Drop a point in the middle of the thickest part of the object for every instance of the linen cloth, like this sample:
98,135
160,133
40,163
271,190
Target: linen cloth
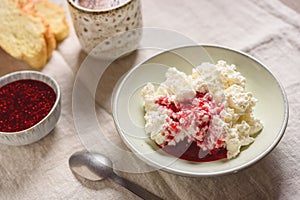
267,30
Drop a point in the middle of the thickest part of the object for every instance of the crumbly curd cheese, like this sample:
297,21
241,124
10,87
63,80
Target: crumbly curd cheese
210,107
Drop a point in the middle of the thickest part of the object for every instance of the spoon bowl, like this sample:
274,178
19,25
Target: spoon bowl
94,166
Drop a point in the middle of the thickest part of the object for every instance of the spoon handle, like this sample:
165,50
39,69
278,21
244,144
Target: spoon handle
135,188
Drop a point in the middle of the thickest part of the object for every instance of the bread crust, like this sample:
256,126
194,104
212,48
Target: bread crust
61,30
27,35
15,39
29,7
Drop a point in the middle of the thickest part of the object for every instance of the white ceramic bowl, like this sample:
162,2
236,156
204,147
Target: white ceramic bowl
272,109
43,127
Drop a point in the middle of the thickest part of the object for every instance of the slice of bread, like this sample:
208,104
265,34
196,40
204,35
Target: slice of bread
56,17
29,7
23,35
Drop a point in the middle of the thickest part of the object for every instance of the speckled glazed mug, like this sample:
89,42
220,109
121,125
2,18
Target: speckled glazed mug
108,32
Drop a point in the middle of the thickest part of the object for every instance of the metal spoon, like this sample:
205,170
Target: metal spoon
95,166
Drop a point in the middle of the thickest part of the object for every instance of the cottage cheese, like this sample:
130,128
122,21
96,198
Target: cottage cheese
209,107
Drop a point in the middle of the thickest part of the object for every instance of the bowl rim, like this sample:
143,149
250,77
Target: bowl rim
205,174
35,74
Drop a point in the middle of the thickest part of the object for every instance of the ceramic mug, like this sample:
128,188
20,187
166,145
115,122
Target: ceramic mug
107,32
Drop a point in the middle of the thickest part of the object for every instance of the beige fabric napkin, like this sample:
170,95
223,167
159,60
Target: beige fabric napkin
268,30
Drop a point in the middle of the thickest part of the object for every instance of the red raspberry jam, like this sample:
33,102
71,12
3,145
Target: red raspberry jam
24,103
197,114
